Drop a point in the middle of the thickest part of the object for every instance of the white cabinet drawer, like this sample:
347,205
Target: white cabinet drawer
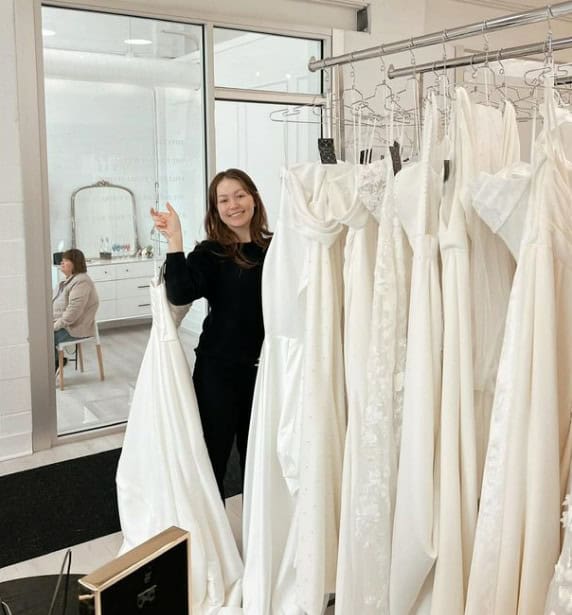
133,306
102,272
134,270
133,287
107,310
105,290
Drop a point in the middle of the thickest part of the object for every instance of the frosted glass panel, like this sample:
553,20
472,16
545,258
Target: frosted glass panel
263,138
265,62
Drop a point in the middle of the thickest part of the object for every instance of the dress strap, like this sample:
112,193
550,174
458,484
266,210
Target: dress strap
428,143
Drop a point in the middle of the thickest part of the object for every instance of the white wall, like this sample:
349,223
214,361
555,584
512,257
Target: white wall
247,138
98,131
15,398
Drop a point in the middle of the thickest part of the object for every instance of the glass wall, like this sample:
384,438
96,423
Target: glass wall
125,132
125,123
256,61
262,138
268,125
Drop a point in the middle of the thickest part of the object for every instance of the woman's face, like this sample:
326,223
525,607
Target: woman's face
234,204
66,267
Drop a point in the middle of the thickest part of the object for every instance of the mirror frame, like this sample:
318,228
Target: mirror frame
102,183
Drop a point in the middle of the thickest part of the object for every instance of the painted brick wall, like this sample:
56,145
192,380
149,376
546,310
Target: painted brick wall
15,397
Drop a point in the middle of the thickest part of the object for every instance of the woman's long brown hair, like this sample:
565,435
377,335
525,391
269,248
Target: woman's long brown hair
218,231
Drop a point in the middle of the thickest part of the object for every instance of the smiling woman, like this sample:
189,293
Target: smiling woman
226,269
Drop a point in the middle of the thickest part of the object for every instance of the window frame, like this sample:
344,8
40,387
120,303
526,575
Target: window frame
31,110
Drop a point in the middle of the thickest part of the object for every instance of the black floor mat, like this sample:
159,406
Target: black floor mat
64,504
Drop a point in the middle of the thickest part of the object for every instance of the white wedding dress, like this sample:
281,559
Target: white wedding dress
165,477
359,264
374,419
491,264
528,458
456,458
296,442
418,195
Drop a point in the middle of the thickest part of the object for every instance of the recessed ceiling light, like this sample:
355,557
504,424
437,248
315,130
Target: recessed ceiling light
258,73
47,32
288,76
138,41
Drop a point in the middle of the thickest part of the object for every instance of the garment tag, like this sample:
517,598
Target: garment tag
365,156
327,151
395,157
446,170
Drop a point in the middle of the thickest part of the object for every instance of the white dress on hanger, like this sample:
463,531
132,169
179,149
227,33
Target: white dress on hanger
518,533
456,459
417,197
492,265
374,419
359,263
165,477
298,425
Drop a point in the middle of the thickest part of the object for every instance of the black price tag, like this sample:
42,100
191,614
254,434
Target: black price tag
446,170
394,150
327,151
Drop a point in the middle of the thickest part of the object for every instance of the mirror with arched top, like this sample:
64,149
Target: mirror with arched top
104,220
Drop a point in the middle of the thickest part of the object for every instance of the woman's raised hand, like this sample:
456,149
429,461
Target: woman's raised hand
169,225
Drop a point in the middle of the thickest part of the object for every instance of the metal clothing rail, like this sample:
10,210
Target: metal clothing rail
481,57
454,34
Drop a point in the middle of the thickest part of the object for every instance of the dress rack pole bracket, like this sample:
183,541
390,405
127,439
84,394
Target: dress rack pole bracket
553,11
480,58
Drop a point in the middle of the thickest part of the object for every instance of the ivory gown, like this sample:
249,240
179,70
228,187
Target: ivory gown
375,407
296,443
165,476
457,456
418,195
491,264
518,532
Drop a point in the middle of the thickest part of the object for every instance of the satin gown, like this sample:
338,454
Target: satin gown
296,442
165,477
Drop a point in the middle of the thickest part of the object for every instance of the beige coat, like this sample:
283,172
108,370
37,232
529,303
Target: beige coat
75,306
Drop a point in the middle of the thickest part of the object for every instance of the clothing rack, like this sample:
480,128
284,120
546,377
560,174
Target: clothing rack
486,26
482,57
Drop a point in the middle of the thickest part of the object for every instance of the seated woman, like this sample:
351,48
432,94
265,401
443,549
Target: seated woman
75,302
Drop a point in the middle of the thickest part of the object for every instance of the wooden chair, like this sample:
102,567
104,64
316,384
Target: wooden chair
79,355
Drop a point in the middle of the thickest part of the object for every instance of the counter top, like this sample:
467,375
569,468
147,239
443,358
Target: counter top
118,260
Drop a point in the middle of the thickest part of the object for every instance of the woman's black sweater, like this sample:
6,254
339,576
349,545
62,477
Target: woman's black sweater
233,329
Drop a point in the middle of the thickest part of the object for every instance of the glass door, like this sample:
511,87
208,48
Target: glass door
125,132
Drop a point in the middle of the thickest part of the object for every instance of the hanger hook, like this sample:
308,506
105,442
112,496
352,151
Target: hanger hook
486,45
474,69
382,60
411,52
352,71
499,61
